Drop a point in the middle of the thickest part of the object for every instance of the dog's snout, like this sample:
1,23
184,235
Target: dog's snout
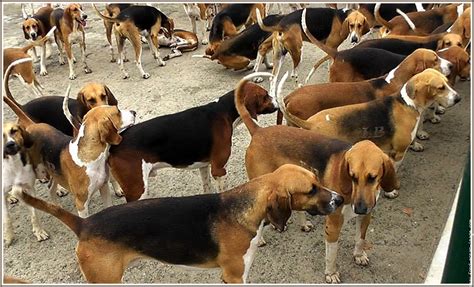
354,39
457,98
10,144
84,16
338,200
360,207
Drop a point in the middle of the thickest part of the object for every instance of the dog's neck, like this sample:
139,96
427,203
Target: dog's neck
87,149
409,101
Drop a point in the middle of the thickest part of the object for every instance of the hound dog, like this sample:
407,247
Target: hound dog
204,14
70,23
418,23
77,164
461,63
207,231
462,27
309,100
135,21
362,63
336,162
112,10
24,71
203,138
390,122
237,52
180,41
332,26
19,172
388,11
36,27
228,22
49,109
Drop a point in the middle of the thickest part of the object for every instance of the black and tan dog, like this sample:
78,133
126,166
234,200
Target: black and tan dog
207,231
228,22
390,122
70,23
237,52
202,139
35,27
329,25
112,10
134,22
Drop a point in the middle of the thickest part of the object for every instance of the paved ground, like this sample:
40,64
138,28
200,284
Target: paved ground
402,245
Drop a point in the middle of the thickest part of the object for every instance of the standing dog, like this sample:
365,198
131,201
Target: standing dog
137,21
112,10
202,13
35,27
70,24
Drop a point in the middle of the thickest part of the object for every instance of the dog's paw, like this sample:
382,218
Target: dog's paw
125,76
204,42
113,60
269,66
257,79
12,199
62,62
417,147
422,135
87,70
307,226
261,242
333,278
162,63
435,119
440,110
391,194
145,76
119,192
72,76
43,72
8,238
74,60
361,259
61,192
40,234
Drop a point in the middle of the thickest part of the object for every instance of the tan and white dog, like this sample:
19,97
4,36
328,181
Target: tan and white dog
202,13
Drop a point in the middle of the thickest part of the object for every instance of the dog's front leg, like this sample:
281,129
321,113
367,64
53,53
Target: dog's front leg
334,224
105,194
155,47
87,70
303,222
7,224
67,46
362,223
43,71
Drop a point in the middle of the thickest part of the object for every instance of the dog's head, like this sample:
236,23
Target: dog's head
31,29
94,95
15,139
355,26
168,27
449,40
369,169
258,101
296,188
460,59
431,86
107,122
422,59
76,12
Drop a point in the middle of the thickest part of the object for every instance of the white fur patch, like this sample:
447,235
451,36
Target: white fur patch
391,75
409,101
444,65
250,254
331,254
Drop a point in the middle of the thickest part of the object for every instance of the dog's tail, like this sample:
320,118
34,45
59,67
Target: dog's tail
39,42
262,25
316,66
72,120
328,50
379,18
105,18
8,98
72,221
288,116
239,98
407,19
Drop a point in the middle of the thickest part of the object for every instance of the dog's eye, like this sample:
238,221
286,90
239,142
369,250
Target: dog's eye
351,25
459,44
313,190
75,9
359,25
102,96
371,178
442,88
92,101
13,131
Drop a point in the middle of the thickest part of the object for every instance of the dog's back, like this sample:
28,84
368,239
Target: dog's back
137,13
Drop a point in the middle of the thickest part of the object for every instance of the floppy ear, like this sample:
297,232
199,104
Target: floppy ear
81,99
108,132
440,44
365,27
27,140
389,180
40,28
111,100
27,36
344,29
420,66
278,210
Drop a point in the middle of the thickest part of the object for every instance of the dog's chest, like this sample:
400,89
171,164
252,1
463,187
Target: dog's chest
16,173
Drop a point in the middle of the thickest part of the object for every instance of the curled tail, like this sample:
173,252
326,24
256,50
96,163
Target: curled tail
328,50
72,120
72,221
239,98
407,19
39,42
288,116
379,18
105,18
8,98
316,66
261,24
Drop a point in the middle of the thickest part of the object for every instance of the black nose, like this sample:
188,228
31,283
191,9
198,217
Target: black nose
360,207
133,113
84,17
10,145
457,99
339,200
354,39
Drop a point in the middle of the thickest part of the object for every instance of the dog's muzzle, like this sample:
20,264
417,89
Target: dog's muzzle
11,148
